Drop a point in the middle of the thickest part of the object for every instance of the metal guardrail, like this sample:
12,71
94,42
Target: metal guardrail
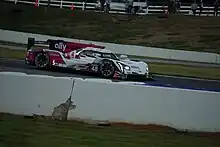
152,9
57,3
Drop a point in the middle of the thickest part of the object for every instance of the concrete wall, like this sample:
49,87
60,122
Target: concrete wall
105,100
22,94
19,37
218,59
194,56
179,108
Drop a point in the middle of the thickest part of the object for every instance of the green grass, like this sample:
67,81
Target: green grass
184,70
12,54
18,131
160,68
176,32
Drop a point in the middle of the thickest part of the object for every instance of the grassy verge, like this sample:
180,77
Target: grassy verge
18,131
12,54
177,31
160,68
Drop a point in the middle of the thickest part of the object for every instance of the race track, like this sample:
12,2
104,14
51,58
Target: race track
163,81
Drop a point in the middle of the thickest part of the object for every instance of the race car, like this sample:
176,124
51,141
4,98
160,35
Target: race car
83,57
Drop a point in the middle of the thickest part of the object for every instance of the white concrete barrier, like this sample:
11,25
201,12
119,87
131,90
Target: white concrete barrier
178,108
29,94
218,59
105,100
20,37
194,56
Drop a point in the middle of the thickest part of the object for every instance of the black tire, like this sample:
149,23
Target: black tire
107,69
42,60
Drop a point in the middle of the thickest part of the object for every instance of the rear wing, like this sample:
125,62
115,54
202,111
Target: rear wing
59,44
32,42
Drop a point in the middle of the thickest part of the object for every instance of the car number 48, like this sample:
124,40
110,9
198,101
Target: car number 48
94,68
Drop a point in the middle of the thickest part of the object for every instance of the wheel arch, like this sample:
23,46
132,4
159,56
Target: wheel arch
36,52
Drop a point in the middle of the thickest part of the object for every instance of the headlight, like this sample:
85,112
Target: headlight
147,69
123,66
127,67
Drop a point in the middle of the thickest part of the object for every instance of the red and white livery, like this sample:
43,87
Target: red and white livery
83,57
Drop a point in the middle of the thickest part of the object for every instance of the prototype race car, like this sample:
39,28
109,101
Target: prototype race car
83,57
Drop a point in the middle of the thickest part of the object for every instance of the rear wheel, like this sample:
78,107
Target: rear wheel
107,69
42,60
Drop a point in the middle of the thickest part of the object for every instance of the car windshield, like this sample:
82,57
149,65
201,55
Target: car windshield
109,55
78,50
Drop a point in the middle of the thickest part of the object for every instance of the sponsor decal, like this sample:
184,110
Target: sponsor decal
95,68
60,46
54,54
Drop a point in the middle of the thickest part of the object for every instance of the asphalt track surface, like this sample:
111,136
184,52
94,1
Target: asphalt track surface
9,65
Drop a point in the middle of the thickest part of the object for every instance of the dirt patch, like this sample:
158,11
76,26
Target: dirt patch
166,129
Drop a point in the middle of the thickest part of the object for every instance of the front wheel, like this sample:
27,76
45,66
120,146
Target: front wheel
42,60
107,69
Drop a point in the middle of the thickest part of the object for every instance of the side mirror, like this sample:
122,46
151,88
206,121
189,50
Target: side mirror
123,57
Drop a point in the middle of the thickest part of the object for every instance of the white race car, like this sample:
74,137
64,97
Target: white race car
87,57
